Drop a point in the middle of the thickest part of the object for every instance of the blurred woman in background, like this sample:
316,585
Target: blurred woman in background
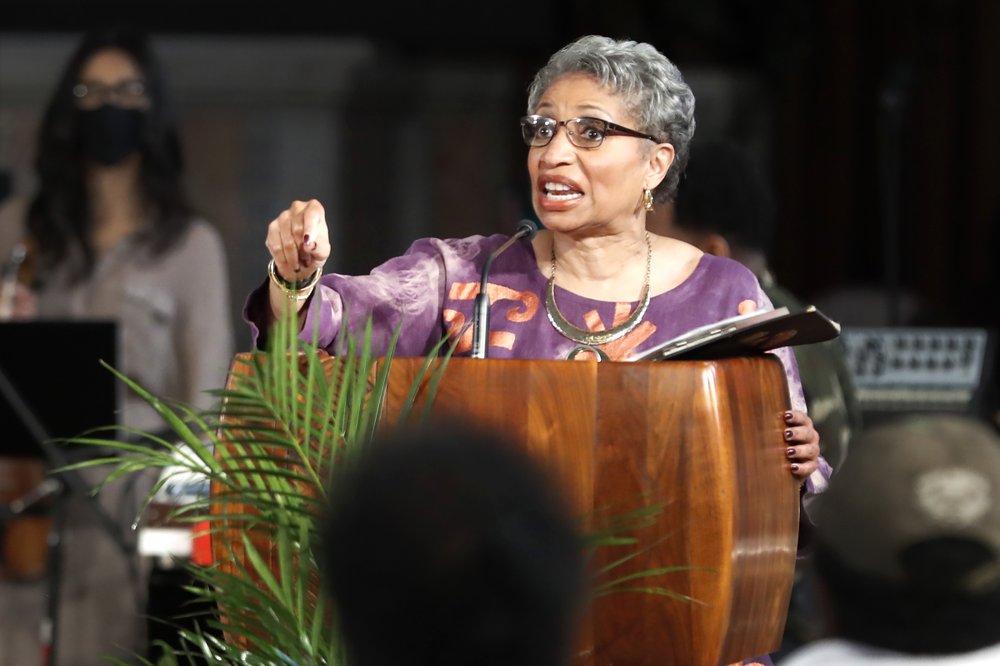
110,235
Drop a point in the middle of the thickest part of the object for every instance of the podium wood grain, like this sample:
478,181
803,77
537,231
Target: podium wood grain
703,437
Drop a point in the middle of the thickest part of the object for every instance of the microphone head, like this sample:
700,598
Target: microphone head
527,229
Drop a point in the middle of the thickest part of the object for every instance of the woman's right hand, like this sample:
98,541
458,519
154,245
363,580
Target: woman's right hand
299,243
299,240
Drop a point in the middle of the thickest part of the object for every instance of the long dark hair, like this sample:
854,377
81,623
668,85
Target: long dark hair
59,216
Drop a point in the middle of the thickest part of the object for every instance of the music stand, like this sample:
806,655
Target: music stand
53,386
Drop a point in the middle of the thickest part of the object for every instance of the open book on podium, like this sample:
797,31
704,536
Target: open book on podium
750,333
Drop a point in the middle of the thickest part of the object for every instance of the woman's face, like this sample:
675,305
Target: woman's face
576,188
111,76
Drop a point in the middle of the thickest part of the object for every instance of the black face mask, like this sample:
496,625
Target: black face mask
110,133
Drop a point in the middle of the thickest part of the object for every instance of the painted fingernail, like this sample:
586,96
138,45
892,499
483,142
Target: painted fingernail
795,467
788,434
790,452
788,416
305,239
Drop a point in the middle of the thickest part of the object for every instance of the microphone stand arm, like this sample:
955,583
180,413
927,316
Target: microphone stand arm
481,304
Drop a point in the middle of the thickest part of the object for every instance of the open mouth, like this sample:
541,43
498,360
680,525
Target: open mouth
560,192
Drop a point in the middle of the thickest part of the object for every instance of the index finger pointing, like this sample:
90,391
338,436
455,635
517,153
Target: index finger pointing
313,218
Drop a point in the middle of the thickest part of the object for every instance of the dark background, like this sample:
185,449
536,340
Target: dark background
883,144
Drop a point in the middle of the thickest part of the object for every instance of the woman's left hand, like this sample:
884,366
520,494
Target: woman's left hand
801,438
801,444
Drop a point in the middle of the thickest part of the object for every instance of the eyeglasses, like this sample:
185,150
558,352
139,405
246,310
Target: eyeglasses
91,94
582,132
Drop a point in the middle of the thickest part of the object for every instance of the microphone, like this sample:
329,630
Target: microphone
481,306
43,490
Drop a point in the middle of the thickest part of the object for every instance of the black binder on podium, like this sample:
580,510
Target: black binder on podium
751,333
54,368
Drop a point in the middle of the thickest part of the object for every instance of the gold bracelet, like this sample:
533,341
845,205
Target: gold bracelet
294,291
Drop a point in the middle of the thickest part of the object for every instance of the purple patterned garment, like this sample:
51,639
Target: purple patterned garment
429,292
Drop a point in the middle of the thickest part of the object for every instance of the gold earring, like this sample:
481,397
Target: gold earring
647,199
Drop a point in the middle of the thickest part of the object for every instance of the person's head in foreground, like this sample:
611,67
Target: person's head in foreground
908,549
448,546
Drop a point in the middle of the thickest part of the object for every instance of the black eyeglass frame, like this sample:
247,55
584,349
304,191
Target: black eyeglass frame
610,129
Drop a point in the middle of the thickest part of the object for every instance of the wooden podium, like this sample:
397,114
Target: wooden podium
703,437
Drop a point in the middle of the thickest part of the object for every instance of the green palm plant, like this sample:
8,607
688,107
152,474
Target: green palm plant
621,533
286,420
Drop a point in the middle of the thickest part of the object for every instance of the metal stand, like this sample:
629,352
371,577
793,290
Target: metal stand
64,486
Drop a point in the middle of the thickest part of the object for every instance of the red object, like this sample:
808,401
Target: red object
201,544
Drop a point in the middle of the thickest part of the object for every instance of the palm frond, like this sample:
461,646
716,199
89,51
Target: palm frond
611,528
288,417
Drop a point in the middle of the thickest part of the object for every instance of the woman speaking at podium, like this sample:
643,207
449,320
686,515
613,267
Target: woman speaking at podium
608,129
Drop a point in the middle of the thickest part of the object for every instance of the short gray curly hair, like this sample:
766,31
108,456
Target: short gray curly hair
653,89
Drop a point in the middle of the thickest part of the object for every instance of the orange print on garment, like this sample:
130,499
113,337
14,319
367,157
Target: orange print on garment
467,291
456,320
623,347
525,310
